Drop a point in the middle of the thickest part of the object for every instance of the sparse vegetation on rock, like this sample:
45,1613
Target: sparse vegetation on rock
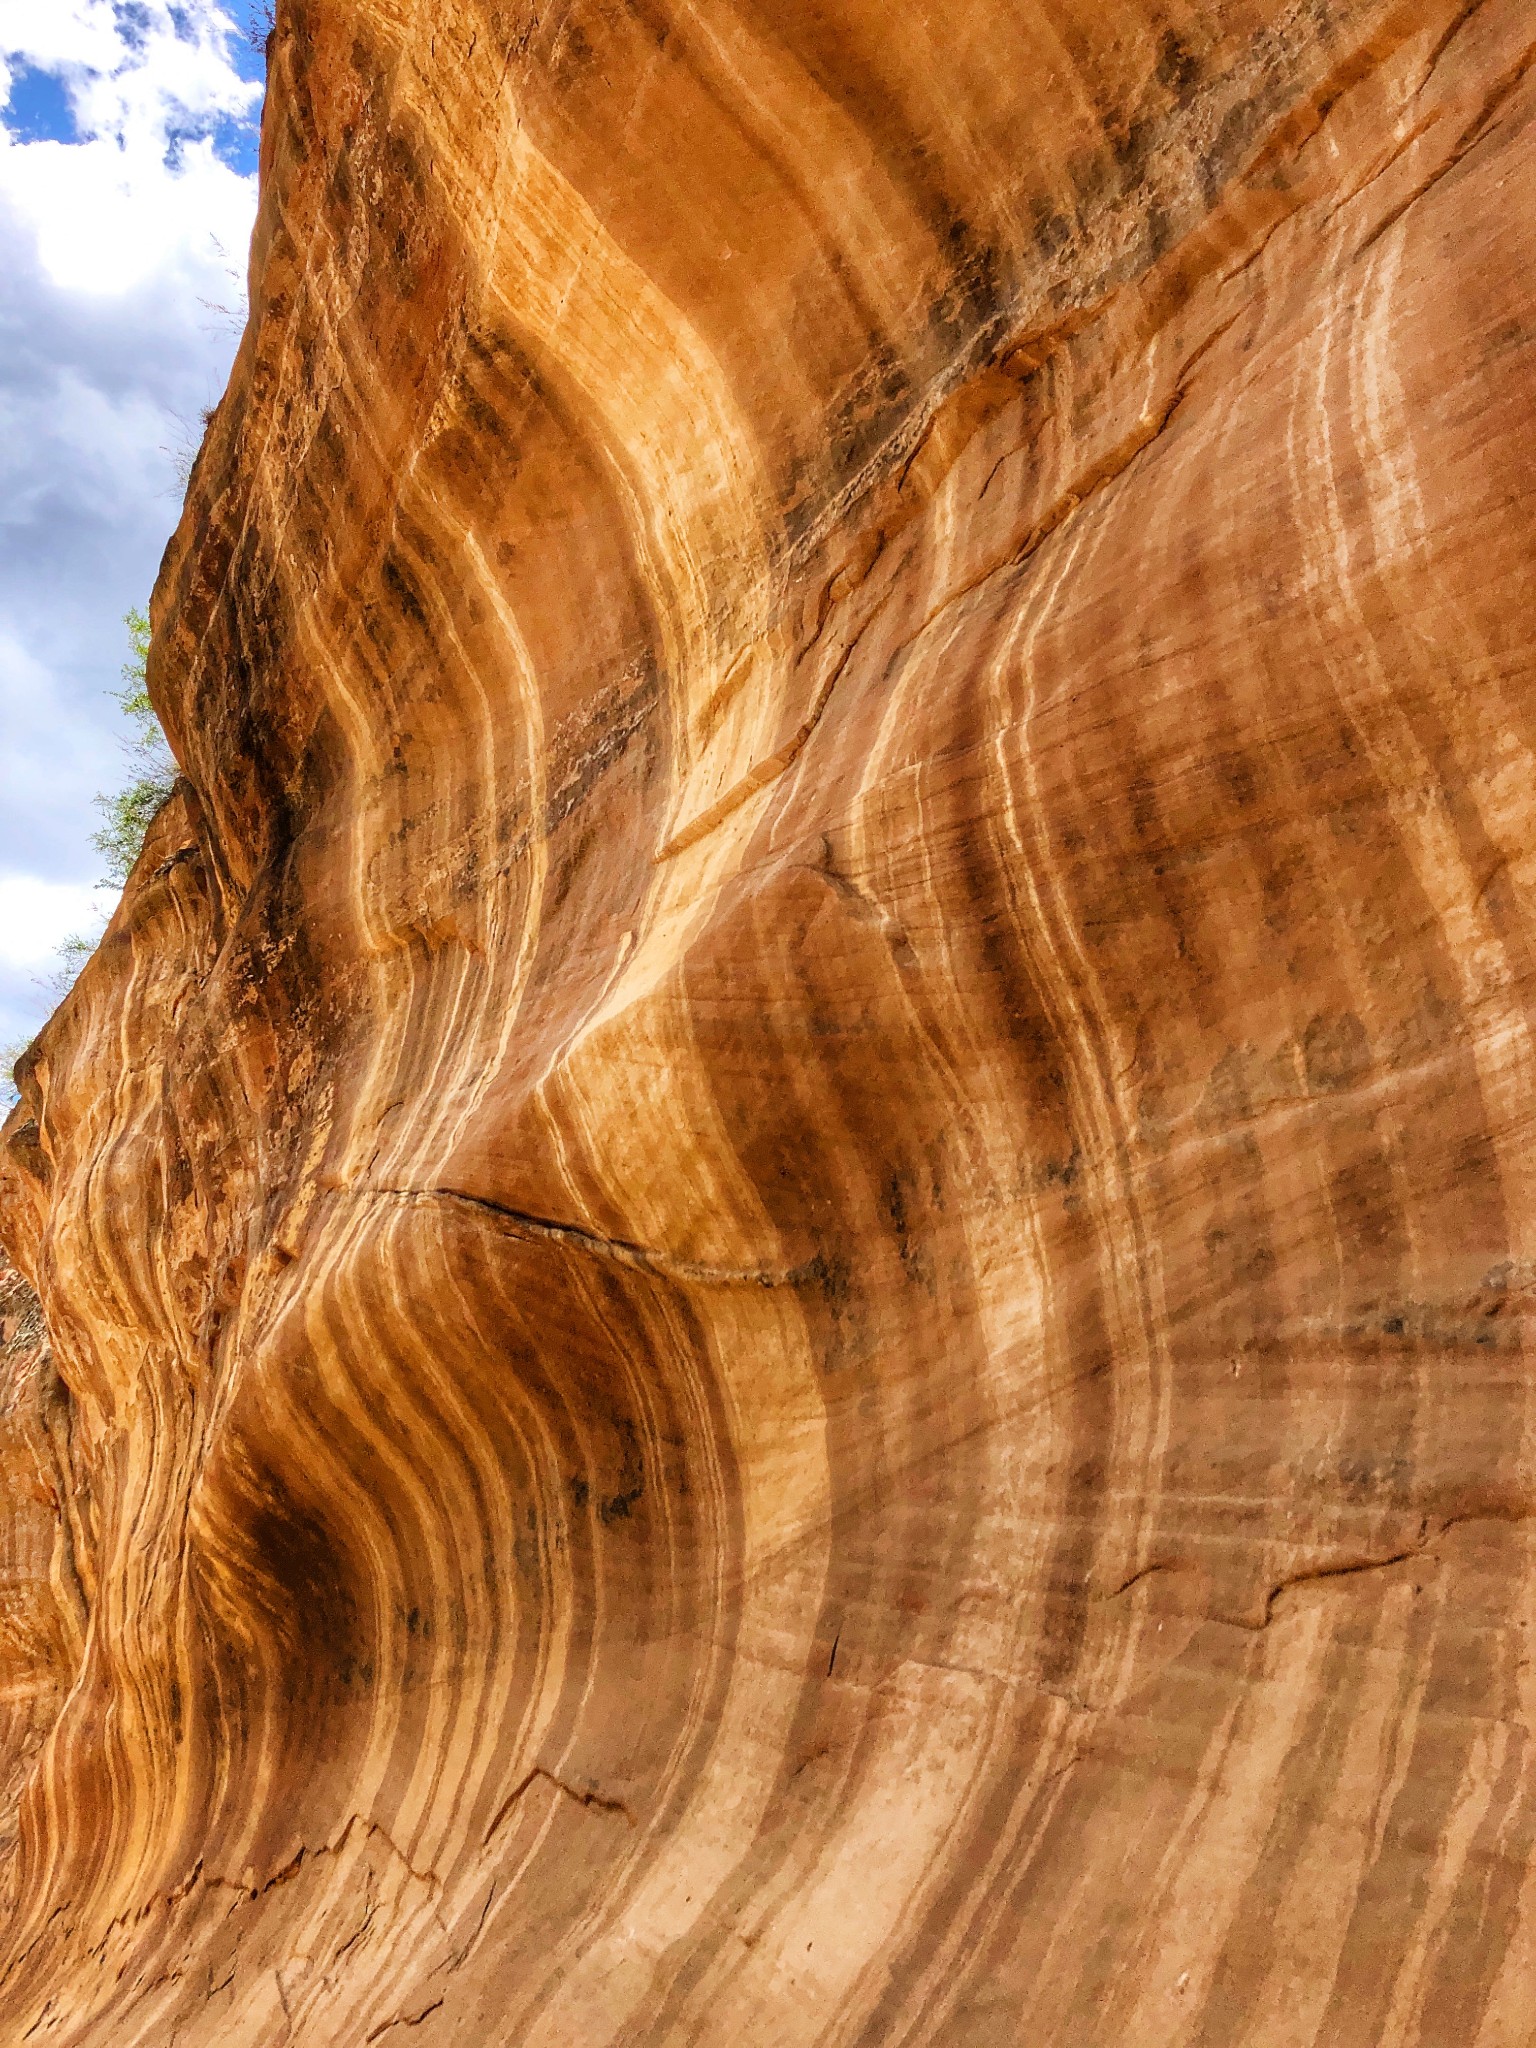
127,812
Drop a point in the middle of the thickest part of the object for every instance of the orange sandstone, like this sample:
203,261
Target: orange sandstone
787,1235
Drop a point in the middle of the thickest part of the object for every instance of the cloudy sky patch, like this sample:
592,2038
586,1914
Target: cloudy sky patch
127,193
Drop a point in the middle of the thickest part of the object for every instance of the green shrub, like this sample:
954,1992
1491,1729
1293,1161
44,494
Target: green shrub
126,817
127,812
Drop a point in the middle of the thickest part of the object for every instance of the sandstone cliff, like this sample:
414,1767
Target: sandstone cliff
44,1500
786,1235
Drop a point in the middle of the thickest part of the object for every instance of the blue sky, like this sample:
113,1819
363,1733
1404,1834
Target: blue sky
128,136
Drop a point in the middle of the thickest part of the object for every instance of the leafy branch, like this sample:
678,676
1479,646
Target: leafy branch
126,817
127,812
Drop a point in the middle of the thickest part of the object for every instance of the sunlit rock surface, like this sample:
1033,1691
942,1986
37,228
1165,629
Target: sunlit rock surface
44,1502
788,1234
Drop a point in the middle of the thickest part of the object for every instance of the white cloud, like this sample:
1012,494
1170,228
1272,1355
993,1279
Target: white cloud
177,54
108,443
56,756
106,218
82,32
37,917
111,247
140,192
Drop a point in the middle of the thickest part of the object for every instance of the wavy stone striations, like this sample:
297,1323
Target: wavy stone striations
788,1232
44,1499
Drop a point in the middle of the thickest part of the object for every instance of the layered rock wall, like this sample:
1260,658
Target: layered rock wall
44,1550
788,1231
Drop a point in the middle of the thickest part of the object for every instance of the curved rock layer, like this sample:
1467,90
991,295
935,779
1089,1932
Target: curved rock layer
789,1228
44,1498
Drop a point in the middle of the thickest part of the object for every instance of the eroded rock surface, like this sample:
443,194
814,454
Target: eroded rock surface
44,1551
788,1233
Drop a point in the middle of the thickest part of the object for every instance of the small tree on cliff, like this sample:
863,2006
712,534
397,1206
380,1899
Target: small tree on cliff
126,815
127,812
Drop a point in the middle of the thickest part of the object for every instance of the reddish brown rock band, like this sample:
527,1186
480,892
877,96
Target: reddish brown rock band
786,1238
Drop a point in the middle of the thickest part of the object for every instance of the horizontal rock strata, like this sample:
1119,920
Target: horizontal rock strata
786,1236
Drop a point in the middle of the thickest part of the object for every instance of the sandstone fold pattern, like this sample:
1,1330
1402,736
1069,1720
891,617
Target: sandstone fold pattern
786,1237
